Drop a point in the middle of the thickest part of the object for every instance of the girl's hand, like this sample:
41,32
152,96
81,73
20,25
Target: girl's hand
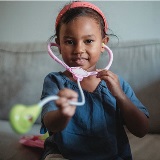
112,82
62,103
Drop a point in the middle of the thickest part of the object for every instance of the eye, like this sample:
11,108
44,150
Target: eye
69,42
88,41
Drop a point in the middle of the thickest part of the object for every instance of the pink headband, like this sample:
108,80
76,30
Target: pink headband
81,4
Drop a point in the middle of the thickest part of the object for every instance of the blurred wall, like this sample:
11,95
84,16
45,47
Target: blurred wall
30,21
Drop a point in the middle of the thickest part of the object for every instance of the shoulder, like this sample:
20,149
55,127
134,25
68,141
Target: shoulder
53,77
52,83
125,85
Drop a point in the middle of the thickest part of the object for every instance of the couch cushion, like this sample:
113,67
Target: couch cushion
150,96
10,148
146,148
5,127
23,68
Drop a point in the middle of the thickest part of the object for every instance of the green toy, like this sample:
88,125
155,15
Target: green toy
23,117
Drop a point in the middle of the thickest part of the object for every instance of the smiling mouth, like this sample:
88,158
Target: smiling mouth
80,61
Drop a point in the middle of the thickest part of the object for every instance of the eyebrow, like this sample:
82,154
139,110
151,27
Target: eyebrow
85,36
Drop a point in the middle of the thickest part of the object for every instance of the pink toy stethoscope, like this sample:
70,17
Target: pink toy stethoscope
22,117
77,72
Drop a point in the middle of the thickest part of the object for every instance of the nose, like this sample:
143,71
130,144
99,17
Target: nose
79,48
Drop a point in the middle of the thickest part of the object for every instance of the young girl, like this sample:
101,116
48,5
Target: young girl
94,131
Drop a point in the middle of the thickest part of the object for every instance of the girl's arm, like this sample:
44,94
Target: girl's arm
57,120
135,120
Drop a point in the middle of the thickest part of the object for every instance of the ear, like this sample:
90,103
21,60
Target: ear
105,41
57,42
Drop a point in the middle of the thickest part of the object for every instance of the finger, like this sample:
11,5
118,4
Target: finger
62,102
102,73
64,106
98,70
112,75
105,73
68,93
68,110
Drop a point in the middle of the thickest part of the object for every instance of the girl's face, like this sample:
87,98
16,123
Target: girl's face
81,43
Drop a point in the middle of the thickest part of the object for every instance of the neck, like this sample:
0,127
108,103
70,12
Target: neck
93,68
88,83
